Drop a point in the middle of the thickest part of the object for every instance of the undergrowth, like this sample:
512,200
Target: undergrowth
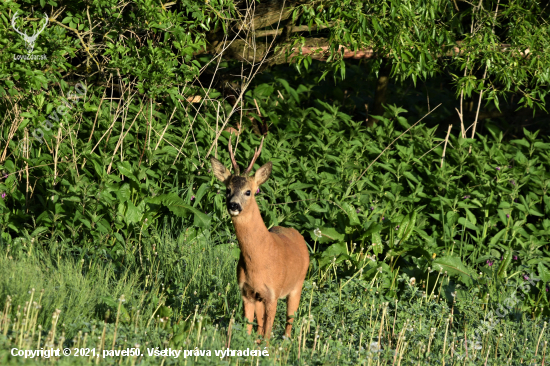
345,320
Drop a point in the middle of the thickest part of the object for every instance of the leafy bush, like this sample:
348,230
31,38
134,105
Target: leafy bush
482,210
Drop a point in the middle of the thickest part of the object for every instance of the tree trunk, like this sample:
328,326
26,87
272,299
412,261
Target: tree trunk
380,94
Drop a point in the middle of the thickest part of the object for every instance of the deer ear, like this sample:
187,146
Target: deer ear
263,173
220,171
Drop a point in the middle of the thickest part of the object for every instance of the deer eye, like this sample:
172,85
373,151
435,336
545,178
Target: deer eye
228,191
247,193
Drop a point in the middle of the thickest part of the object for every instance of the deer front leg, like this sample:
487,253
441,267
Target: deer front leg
270,309
293,301
248,314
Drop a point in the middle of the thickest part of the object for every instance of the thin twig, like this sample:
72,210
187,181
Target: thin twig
435,147
26,142
293,29
112,124
97,112
80,38
461,113
445,146
56,156
478,107
13,129
122,138
257,108
165,128
169,143
244,87
462,131
484,75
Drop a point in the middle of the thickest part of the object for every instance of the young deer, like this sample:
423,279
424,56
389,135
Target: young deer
273,263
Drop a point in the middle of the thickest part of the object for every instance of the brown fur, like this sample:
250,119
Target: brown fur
273,263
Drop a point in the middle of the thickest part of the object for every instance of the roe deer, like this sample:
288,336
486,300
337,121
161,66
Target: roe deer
273,263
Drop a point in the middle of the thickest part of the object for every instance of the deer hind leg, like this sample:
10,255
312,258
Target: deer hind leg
292,303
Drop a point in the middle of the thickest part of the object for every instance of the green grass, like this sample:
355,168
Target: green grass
182,294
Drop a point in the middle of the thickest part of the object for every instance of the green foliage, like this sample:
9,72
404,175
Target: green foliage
176,205
498,48
93,181
406,210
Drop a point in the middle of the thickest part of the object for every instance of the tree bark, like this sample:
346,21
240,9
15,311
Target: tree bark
380,94
268,13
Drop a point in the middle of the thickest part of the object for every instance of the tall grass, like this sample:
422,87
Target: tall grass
185,297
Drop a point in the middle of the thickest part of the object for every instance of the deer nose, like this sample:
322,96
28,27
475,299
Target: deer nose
234,206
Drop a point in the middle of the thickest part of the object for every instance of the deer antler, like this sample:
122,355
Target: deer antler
256,154
235,166
44,26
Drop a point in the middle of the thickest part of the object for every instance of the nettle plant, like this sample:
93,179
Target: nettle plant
95,190
480,211
480,215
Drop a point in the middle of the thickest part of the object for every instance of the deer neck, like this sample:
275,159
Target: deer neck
252,233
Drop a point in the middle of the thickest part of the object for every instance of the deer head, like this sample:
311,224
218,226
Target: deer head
29,40
241,188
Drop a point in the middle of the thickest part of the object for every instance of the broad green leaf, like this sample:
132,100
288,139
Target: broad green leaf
328,234
200,193
316,208
299,185
86,223
410,227
544,272
495,239
132,213
71,199
125,169
471,216
289,89
411,176
522,142
374,227
335,250
453,266
351,213
39,230
467,223
535,212
123,194
403,226
176,205
505,263
377,243
452,218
